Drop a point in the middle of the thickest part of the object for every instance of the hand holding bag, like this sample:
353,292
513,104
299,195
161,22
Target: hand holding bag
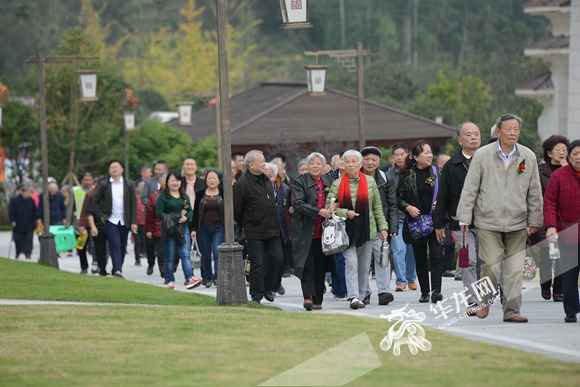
334,236
422,225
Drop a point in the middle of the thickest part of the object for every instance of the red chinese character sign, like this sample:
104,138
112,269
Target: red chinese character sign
315,78
294,14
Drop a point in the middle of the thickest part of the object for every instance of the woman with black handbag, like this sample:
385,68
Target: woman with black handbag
173,204
416,197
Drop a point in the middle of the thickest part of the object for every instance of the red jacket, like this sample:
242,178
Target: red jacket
152,223
562,199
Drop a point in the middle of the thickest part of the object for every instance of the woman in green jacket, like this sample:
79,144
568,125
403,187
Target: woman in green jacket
415,197
358,200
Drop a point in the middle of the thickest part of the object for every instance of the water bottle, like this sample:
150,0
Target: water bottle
554,250
385,254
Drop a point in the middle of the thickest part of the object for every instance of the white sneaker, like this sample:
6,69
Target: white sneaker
171,285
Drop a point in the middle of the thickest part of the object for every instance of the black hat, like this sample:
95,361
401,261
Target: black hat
371,149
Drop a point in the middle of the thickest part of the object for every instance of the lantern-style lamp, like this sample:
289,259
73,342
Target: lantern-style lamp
1,115
315,78
294,14
88,81
184,109
129,121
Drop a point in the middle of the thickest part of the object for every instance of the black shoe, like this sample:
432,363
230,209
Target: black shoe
137,263
281,291
256,301
436,296
356,304
118,274
424,298
448,273
208,284
471,312
385,298
307,304
84,271
367,299
269,296
570,318
103,273
149,270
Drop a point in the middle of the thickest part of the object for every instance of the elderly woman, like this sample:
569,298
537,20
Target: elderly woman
281,191
359,202
308,200
415,196
562,216
555,153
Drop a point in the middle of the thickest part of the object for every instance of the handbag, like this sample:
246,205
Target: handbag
195,254
334,236
422,225
463,256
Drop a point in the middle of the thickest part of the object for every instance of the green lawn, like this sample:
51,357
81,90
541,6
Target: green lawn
197,343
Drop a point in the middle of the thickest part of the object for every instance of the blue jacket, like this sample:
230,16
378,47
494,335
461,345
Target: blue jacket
56,207
23,212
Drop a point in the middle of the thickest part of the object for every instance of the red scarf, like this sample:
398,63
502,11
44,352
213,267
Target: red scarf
358,228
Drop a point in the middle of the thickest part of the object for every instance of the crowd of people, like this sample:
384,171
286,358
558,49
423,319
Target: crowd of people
495,199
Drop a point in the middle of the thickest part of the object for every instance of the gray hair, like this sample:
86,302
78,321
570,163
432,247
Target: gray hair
162,177
301,163
314,155
506,117
272,166
251,157
460,127
352,153
26,185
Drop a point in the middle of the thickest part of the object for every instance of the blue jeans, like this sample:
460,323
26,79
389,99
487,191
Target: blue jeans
117,237
170,246
404,258
209,238
339,281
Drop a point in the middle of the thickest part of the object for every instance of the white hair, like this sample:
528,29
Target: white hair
273,167
313,155
251,156
301,163
352,153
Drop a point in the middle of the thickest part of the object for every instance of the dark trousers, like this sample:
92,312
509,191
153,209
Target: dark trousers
100,242
546,272
286,257
158,251
422,263
448,254
140,243
315,268
339,277
23,242
265,257
117,236
83,256
569,266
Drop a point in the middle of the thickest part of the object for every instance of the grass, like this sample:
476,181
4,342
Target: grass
192,344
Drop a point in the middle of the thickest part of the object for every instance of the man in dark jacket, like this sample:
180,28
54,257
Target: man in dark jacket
388,191
57,208
450,186
22,213
255,211
115,205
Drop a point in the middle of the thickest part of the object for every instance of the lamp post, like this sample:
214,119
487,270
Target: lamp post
347,59
231,279
129,126
48,254
295,14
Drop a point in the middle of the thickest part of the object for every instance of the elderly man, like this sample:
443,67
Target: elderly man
388,194
256,212
502,189
453,176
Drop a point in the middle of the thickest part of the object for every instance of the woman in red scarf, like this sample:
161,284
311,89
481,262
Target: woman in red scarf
360,203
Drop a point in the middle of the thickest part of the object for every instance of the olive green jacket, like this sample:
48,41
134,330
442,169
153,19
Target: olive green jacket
376,215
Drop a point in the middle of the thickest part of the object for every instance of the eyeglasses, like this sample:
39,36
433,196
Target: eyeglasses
559,150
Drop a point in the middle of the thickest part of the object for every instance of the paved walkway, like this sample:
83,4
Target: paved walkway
546,333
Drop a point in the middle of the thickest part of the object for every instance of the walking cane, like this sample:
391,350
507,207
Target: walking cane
10,244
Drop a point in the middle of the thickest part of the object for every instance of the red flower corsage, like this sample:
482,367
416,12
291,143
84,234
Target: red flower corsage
522,167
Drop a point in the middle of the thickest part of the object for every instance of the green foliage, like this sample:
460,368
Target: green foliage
205,153
20,138
153,141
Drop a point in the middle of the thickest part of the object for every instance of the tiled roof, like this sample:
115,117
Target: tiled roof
274,112
551,43
547,3
541,82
